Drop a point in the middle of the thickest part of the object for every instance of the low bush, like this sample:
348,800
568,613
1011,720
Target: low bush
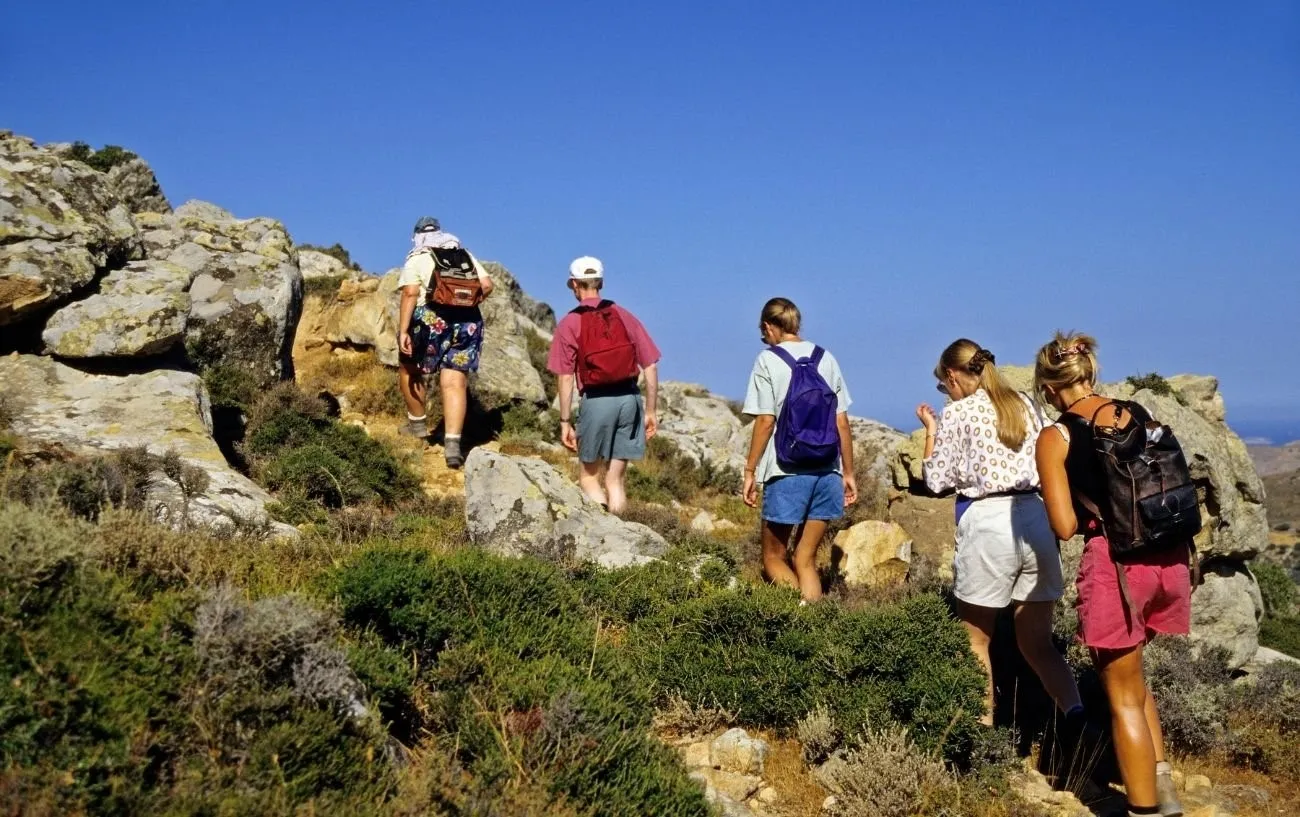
324,287
1281,633
1152,382
1193,685
294,445
1280,593
887,775
539,350
123,479
520,682
104,159
666,474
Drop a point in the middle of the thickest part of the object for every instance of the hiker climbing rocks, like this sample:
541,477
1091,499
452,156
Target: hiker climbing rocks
604,349
801,450
982,446
439,330
1118,477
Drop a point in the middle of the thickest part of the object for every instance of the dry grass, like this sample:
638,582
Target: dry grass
801,794
369,387
1284,795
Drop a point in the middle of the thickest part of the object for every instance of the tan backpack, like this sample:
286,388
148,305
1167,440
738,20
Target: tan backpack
455,278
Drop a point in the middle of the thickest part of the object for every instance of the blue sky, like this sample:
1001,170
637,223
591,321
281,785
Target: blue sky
908,173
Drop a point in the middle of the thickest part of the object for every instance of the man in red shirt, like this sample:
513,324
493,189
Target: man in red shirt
604,349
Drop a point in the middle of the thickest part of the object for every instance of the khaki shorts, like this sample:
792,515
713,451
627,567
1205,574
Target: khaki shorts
1006,551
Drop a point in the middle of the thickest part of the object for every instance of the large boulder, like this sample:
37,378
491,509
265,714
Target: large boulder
872,553
139,310
363,314
161,410
521,506
246,294
138,187
1226,609
702,425
534,311
61,223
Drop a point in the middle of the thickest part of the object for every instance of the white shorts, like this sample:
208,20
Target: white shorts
1006,551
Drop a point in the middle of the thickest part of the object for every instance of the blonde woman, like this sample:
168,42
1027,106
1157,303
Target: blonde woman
1158,584
982,446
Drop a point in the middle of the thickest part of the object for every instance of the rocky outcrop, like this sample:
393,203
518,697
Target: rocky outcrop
246,293
317,264
138,187
140,310
363,315
540,315
702,425
61,224
520,506
162,410
1226,609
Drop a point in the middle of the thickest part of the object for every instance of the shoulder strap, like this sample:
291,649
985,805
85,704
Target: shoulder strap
816,356
783,354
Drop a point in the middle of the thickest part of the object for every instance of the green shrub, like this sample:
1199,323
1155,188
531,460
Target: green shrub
231,387
1281,633
324,287
520,684
85,486
297,448
104,159
539,350
521,421
666,474
887,775
755,652
1152,382
1281,595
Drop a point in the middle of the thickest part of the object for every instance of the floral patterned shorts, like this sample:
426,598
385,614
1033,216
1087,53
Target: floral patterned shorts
450,345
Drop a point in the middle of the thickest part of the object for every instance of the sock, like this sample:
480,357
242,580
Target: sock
1143,811
450,437
415,419
1163,767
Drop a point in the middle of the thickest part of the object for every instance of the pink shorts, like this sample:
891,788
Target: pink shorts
1160,588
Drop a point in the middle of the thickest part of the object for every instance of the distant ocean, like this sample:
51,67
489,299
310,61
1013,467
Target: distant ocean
1266,432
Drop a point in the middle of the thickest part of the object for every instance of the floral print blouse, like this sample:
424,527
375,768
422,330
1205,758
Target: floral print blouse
969,457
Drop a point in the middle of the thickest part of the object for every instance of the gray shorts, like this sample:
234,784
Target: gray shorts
611,428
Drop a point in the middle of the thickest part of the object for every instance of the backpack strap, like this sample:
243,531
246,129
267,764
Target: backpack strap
783,354
582,308
816,356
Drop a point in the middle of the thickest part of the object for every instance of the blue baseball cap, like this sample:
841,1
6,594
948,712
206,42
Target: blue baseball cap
427,224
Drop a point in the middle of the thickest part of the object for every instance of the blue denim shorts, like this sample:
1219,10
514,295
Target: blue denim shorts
793,499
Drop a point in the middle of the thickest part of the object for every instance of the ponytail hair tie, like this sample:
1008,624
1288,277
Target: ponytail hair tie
978,360
1063,352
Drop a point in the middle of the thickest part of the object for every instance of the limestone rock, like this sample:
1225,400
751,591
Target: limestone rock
875,447
60,223
1226,609
138,187
316,264
363,314
701,424
735,751
704,522
722,790
872,553
246,294
162,410
537,313
519,505
140,310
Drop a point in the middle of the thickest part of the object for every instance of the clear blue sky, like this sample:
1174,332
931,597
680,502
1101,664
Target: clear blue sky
908,173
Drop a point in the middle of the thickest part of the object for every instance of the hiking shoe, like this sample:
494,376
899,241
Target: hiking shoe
1167,794
413,428
451,452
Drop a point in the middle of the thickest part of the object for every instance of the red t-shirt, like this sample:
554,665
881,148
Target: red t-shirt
563,358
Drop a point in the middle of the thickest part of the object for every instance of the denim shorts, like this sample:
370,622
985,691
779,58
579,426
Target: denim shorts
793,499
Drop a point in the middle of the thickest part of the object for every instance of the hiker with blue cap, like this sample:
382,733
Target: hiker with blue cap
439,330
801,448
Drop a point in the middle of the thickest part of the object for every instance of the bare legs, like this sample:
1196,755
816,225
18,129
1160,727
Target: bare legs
980,623
1034,638
454,386
410,382
1135,724
801,572
610,491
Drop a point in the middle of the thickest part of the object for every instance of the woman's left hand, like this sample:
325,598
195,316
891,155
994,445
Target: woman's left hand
926,415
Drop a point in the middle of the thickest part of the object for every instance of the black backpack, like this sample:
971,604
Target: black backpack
1149,501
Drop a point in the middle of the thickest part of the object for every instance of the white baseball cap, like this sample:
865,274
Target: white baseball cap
586,268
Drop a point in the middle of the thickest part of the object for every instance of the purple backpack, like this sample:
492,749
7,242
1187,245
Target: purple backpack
806,432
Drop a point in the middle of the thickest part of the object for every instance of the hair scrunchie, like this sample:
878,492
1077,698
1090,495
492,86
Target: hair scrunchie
979,360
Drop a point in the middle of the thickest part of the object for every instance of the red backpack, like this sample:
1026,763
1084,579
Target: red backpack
606,354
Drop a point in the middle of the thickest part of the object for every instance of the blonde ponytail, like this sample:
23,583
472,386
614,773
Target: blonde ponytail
1012,415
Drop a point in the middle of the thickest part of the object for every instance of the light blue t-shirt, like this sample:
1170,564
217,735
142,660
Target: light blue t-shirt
769,383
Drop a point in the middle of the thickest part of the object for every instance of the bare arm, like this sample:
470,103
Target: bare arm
846,457
764,425
485,280
1050,458
410,294
651,373
567,436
